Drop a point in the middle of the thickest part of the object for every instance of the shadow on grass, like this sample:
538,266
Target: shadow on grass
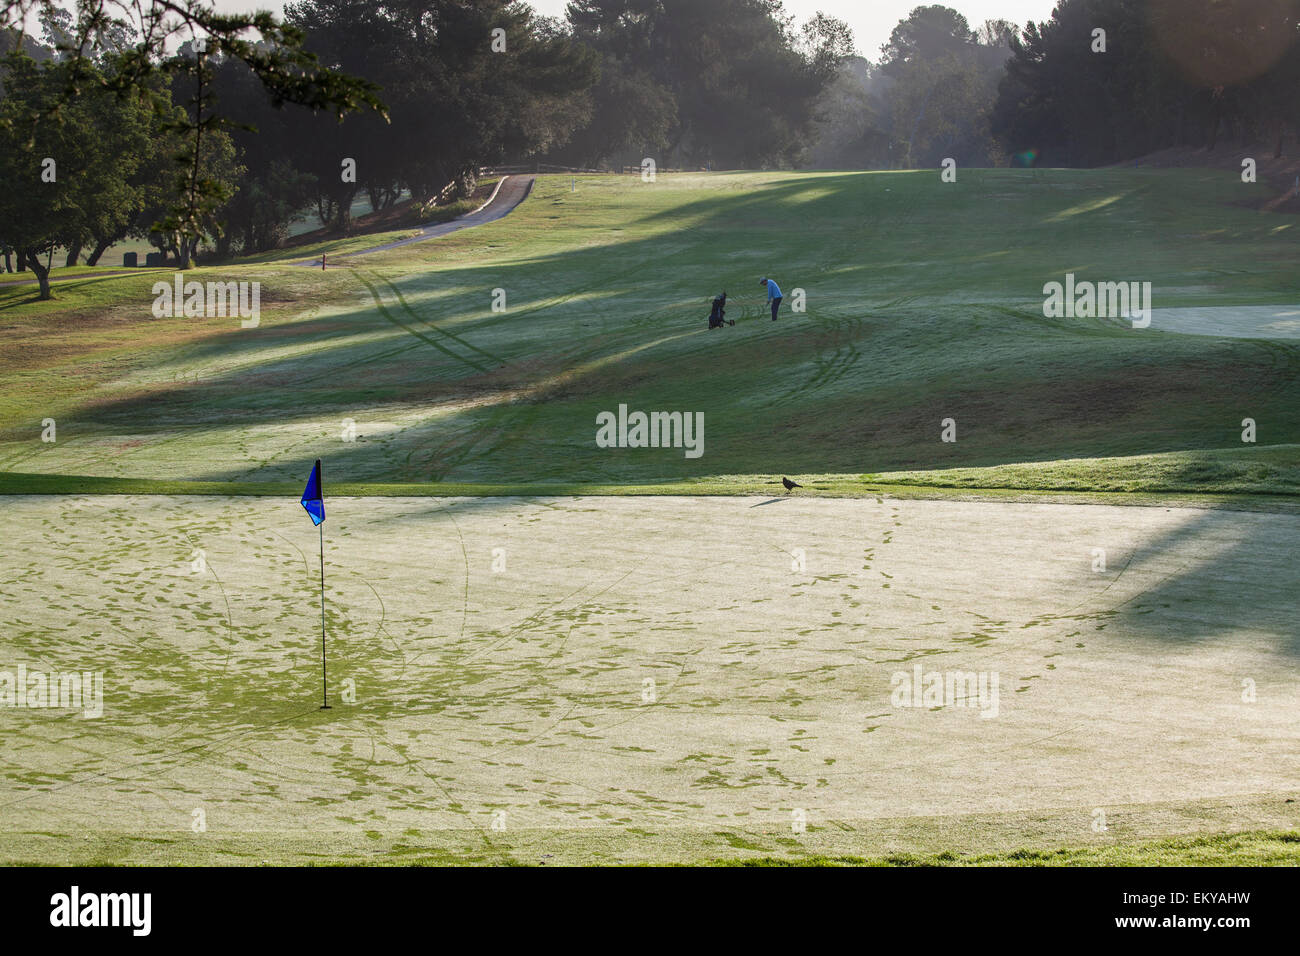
860,383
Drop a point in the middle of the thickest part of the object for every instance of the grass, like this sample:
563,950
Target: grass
1181,479
772,629
452,431
410,218
338,246
923,303
61,272
1254,848
1268,470
1251,848
14,284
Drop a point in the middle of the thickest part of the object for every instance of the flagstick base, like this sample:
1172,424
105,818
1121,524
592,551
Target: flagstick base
326,707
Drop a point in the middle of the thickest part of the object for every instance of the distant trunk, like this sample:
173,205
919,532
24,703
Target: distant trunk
186,252
324,209
42,272
343,212
74,253
102,245
168,245
382,196
100,248
673,146
466,180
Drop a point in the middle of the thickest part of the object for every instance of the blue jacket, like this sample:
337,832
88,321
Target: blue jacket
773,290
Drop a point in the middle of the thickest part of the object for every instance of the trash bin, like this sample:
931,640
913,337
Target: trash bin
130,260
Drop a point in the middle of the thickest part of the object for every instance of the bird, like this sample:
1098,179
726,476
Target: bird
789,485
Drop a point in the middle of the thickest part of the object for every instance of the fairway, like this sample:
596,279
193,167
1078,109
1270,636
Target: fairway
924,302
630,679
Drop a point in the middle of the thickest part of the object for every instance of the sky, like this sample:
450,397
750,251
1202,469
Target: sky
871,20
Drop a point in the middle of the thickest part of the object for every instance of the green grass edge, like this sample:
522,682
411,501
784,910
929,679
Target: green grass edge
845,486
1248,848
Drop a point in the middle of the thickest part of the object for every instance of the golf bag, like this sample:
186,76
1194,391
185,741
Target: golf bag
718,315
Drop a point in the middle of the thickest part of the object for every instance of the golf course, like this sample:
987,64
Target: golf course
543,650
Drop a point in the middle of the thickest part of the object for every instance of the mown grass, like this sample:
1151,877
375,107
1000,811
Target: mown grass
1263,479
68,272
338,246
1254,848
923,304
1251,848
1270,470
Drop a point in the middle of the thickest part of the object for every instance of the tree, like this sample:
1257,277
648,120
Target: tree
929,33
728,82
272,190
456,103
271,49
851,130
1174,74
943,85
144,32
632,111
129,138
207,162
50,170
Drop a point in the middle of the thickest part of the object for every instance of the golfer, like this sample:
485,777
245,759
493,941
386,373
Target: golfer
773,295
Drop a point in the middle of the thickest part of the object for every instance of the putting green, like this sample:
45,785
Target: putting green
642,678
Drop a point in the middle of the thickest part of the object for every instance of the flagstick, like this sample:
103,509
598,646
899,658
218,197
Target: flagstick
324,680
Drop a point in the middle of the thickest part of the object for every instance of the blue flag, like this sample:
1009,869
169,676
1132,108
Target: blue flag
312,498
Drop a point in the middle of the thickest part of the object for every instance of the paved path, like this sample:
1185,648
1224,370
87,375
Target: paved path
510,192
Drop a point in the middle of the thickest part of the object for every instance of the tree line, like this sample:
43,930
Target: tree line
1099,82
164,121
226,129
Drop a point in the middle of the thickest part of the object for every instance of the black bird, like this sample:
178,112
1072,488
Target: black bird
789,485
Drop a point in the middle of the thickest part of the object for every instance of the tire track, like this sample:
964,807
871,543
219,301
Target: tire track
441,331
383,310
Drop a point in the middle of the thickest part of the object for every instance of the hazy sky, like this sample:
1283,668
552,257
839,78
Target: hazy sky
871,20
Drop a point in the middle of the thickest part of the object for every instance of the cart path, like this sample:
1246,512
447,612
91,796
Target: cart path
510,192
